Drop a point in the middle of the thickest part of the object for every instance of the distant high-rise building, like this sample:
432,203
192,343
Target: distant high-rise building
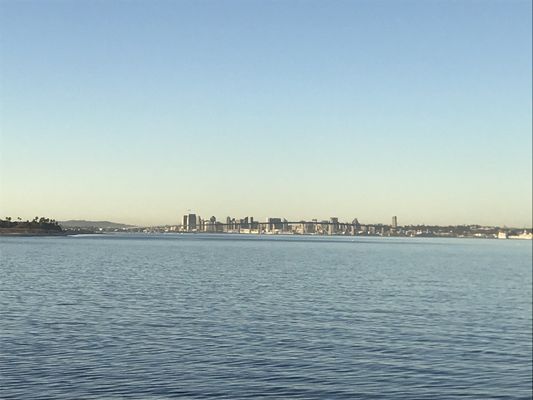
210,225
333,226
274,224
227,227
189,222
308,227
395,222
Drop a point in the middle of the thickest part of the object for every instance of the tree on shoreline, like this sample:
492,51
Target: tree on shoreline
41,223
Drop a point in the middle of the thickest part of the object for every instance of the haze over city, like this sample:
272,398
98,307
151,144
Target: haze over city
136,112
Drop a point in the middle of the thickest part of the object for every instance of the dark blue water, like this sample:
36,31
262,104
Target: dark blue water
221,317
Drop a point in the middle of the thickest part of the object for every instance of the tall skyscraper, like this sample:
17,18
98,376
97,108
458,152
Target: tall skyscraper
394,222
192,223
333,226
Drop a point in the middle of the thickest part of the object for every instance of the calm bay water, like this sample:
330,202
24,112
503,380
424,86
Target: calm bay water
192,316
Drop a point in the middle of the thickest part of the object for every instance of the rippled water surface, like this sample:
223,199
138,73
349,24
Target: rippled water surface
192,316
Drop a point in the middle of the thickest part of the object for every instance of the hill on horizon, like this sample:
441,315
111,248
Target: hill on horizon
81,223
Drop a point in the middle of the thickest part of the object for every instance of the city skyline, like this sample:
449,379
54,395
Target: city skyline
333,226
177,220
134,111
194,219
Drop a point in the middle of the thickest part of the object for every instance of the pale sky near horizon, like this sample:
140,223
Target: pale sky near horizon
137,111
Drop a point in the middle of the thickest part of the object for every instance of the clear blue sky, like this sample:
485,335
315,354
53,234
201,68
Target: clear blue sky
136,111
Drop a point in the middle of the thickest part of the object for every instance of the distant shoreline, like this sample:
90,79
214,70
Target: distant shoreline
12,233
20,232
31,233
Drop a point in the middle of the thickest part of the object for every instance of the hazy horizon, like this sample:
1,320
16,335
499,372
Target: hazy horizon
135,112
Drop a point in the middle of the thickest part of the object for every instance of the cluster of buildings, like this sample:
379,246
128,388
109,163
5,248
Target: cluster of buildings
193,223
273,225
